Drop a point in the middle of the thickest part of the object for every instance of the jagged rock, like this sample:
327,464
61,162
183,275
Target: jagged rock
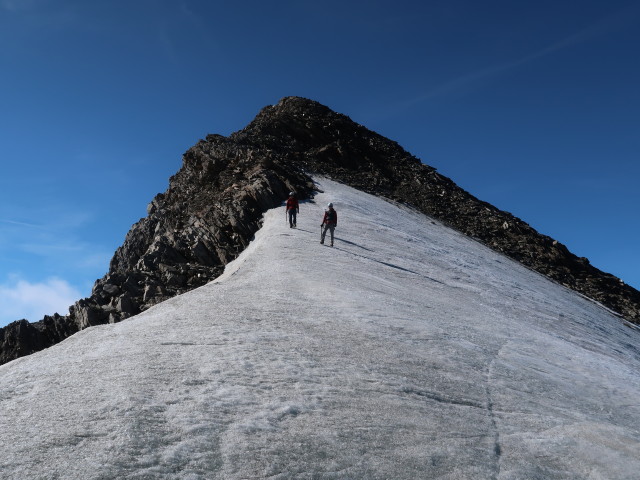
22,338
215,202
126,306
87,313
111,289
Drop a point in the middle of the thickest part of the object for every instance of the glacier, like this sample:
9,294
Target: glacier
408,350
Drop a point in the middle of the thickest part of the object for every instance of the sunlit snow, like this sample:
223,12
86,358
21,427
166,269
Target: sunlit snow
406,351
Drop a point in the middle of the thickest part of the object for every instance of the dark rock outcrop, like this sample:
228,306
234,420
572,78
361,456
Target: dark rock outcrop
214,205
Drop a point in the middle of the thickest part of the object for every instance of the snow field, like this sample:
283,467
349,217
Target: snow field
405,351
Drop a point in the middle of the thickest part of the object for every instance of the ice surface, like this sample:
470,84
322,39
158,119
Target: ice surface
406,351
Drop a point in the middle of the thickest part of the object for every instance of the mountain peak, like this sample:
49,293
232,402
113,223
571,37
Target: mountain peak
297,106
299,123
290,109
215,203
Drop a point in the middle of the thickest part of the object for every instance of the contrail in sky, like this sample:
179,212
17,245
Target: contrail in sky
22,224
612,22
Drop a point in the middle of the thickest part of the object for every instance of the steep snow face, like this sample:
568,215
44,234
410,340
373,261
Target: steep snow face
406,351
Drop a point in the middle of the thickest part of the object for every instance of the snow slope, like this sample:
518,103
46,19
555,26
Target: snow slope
406,351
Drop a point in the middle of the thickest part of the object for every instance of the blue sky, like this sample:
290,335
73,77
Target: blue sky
533,106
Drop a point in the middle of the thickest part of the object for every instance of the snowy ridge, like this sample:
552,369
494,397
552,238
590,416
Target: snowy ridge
406,351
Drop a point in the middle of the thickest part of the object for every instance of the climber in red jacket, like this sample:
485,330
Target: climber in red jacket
293,208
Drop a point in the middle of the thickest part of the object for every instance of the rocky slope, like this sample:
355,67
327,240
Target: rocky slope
214,205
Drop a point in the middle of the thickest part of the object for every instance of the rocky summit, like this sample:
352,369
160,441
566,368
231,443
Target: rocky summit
215,202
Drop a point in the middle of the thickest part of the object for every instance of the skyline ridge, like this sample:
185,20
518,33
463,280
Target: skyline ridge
214,203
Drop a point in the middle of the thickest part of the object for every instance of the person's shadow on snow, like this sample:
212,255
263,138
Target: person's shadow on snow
352,243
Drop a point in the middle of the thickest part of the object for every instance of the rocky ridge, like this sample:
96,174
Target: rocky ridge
214,205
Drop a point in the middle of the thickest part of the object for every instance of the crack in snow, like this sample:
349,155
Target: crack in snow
438,397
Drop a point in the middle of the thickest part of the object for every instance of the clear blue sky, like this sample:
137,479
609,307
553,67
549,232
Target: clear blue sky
533,106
